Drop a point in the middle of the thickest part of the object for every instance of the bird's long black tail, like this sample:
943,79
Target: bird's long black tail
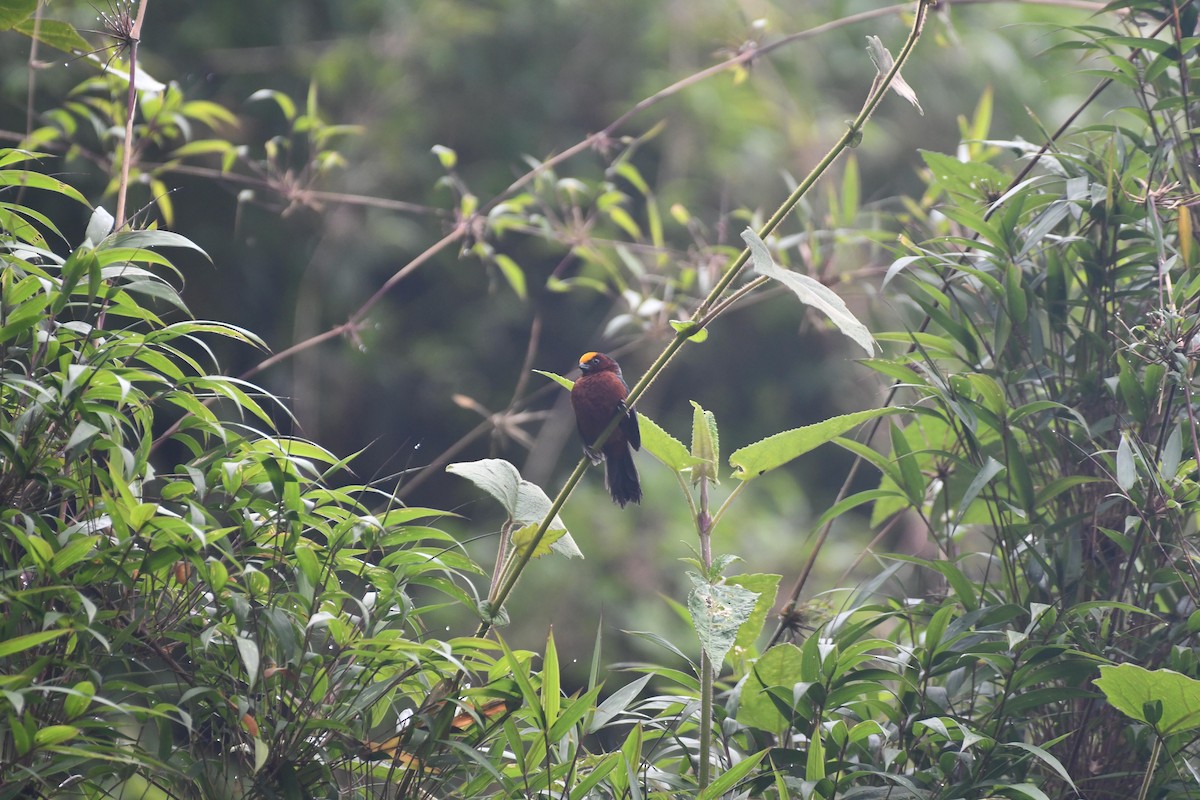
621,477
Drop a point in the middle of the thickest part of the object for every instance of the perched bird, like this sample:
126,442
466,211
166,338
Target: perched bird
598,396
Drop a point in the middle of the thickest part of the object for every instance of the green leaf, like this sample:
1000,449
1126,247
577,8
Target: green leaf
54,734
1131,390
706,447
445,156
56,33
766,586
718,611
1129,688
566,383
512,273
523,538
36,180
1126,468
551,695
695,333
990,469
726,781
19,644
779,666
248,652
13,12
912,481
525,502
775,451
78,699
810,291
663,446
137,240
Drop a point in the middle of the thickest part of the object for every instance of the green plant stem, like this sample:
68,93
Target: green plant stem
704,523
850,136
706,709
130,109
1149,776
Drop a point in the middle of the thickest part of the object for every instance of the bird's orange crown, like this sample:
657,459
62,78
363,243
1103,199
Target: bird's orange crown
587,357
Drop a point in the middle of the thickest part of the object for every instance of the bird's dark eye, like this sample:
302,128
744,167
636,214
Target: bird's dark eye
595,360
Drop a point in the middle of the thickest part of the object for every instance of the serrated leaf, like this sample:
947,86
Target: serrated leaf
775,451
810,291
522,538
718,611
663,446
766,586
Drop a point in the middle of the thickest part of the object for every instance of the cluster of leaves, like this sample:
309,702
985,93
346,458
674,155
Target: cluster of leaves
232,626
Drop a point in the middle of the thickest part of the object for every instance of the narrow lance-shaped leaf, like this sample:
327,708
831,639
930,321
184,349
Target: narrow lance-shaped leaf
810,291
775,451
706,447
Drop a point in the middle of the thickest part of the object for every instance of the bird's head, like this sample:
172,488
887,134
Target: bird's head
597,362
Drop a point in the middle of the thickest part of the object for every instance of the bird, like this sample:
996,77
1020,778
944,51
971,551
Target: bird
597,397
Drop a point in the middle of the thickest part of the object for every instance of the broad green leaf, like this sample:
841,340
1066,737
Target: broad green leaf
718,611
810,291
13,12
525,502
766,586
78,699
779,666
775,451
1130,689
663,446
523,538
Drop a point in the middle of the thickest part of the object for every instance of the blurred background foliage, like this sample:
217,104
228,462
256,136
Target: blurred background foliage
503,82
